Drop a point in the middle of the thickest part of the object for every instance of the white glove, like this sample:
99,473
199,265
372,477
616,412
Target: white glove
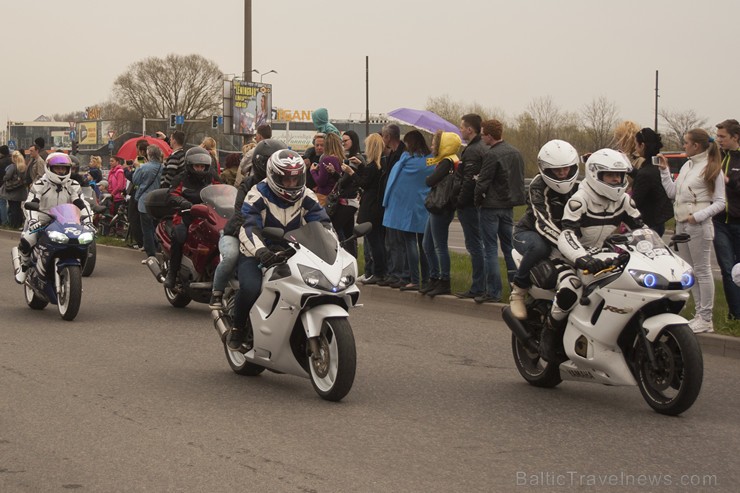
33,224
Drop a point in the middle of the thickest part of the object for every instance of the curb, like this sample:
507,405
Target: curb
715,344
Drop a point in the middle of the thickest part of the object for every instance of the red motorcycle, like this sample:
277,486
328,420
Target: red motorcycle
200,254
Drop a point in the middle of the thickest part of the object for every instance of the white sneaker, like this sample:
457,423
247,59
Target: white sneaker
702,326
694,321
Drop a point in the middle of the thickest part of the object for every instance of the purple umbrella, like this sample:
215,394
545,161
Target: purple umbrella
423,120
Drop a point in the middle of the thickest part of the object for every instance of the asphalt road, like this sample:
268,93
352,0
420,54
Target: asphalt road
135,395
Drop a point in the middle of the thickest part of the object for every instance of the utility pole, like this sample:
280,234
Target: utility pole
367,96
248,40
656,102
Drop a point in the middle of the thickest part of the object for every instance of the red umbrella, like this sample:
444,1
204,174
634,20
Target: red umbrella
128,149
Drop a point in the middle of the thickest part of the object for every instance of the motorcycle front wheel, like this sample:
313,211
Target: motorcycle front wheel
32,300
674,384
333,369
534,369
69,294
88,263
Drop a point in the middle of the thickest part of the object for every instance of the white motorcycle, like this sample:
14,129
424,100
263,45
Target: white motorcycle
300,321
626,330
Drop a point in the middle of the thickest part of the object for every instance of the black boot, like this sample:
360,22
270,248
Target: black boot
551,341
442,287
429,286
170,280
240,339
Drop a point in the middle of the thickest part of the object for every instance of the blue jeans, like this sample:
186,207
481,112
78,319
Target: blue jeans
727,250
147,233
250,285
228,246
469,220
534,248
395,245
436,246
411,244
490,220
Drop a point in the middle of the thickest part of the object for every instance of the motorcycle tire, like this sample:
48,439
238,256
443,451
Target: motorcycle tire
32,300
69,296
178,300
333,373
240,365
675,385
88,263
533,368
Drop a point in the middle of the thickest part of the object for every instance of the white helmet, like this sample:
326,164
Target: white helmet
286,174
57,160
607,161
558,154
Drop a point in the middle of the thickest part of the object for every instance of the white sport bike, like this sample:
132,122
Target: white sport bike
300,321
626,329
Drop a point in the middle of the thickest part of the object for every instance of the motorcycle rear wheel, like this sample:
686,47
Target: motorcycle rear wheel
69,296
240,365
176,299
333,373
532,368
33,301
675,385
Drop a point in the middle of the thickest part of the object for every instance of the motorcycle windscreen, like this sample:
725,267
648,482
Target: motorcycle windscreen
221,197
316,238
66,213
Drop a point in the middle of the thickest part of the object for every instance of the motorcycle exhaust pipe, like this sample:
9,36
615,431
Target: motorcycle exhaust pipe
519,330
153,265
16,255
221,323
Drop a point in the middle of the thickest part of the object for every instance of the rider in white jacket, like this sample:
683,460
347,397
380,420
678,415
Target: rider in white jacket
593,213
54,187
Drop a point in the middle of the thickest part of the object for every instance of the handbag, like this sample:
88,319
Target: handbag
439,198
15,183
332,201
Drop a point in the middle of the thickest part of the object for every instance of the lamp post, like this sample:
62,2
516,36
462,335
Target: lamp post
266,73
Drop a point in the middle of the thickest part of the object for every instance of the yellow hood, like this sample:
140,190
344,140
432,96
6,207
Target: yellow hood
449,143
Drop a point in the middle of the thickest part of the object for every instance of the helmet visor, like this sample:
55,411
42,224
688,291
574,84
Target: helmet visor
294,179
562,174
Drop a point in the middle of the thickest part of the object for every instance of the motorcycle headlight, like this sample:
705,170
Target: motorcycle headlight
688,279
58,237
85,238
316,279
649,279
348,277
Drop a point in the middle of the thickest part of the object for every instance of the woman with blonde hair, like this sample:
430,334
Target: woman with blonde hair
368,179
698,194
624,141
324,174
95,173
209,144
15,189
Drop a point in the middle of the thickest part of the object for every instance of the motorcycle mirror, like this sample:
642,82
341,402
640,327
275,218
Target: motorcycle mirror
362,229
274,234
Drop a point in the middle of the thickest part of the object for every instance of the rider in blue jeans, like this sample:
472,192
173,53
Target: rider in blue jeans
539,229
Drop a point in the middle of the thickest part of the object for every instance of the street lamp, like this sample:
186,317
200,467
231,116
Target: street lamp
266,73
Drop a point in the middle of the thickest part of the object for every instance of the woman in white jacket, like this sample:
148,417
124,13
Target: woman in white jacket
698,194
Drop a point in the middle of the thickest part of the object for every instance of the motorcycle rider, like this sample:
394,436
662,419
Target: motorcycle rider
282,200
184,192
53,188
228,245
593,213
538,230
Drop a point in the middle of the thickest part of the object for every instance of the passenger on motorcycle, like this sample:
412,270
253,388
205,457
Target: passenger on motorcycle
228,245
54,187
593,213
538,230
184,192
282,200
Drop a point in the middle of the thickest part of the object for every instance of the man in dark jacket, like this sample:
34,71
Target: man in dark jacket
463,194
4,163
492,197
500,222
727,222
175,163
394,247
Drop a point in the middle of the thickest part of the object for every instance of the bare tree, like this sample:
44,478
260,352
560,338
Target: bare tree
188,85
599,119
545,118
680,122
453,110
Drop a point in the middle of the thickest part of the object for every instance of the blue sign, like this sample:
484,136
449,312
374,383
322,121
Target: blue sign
220,120
110,144
12,145
180,120
72,135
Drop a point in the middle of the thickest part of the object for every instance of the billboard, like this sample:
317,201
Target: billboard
88,133
252,103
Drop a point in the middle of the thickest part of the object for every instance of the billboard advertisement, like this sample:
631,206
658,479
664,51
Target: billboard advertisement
88,133
252,103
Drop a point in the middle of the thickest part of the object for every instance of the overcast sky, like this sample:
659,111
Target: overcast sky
63,56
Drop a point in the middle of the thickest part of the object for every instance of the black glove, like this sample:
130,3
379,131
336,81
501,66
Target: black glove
267,258
591,264
185,205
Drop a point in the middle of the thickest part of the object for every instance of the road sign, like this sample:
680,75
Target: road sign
72,135
180,119
111,133
110,144
220,120
12,145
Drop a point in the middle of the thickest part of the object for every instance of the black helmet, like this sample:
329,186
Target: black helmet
262,153
197,155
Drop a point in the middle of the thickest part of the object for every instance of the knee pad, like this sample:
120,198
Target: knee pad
544,275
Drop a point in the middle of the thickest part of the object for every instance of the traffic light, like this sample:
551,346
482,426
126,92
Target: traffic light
214,121
74,147
173,120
